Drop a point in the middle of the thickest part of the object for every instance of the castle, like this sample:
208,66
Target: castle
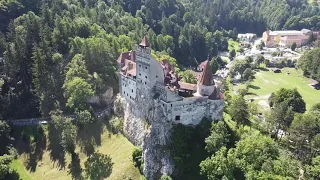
141,75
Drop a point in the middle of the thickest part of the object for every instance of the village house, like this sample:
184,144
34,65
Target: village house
141,76
248,37
286,38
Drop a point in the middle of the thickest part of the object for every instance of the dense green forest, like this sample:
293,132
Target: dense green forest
40,40
55,54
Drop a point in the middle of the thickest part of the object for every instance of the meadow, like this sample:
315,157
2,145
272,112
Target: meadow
266,82
46,168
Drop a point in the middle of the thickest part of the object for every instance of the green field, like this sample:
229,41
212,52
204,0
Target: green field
266,82
117,146
233,45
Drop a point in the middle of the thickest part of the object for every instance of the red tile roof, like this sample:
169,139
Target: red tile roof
130,55
123,56
187,86
145,42
203,64
166,65
206,76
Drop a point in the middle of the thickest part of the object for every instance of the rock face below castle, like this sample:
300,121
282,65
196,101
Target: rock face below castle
150,130
152,100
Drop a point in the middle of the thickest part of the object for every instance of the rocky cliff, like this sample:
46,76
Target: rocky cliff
146,125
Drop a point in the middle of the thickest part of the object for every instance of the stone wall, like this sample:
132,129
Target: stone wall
128,88
148,123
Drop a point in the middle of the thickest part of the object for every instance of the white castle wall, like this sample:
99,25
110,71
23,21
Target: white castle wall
128,88
190,111
156,72
205,90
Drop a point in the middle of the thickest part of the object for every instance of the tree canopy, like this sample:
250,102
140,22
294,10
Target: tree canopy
256,156
98,166
310,63
291,96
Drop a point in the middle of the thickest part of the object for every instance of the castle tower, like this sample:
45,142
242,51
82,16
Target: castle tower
205,84
143,55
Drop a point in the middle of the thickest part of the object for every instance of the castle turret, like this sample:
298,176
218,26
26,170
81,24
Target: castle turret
143,55
149,71
205,84
145,43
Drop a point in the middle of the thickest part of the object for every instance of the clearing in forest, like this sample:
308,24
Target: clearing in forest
266,82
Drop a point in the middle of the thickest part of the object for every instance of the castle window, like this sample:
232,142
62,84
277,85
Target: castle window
124,92
139,65
177,118
146,67
156,76
132,90
139,74
171,105
146,77
145,82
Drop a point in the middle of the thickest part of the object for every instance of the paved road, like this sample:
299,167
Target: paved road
47,120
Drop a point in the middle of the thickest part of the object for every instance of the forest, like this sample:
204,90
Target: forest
54,55
43,38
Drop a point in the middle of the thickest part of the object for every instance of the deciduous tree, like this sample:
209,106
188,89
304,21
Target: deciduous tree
188,77
232,54
291,96
293,46
218,138
280,118
239,111
98,166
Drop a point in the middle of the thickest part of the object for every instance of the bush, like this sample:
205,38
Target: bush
116,124
137,159
165,177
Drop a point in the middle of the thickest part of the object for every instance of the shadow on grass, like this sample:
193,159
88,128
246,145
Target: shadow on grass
30,140
57,153
251,93
89,136
38,149
262,69
75,168
253,86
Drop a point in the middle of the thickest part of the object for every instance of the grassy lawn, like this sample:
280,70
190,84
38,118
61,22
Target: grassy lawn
16,165
233,45
266,82
117,146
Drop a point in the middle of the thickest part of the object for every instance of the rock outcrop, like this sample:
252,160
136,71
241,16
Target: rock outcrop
146,125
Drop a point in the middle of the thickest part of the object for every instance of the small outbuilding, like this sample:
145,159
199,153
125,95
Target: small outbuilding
314,84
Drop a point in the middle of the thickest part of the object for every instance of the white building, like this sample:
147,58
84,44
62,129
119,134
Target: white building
248,37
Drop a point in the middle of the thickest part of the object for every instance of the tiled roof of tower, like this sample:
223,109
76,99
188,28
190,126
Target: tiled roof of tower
203,64
145,42
206,76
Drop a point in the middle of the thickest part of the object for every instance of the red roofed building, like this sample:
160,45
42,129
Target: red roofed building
141,76
205,84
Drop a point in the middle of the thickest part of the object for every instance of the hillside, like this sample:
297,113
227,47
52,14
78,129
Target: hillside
46,168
